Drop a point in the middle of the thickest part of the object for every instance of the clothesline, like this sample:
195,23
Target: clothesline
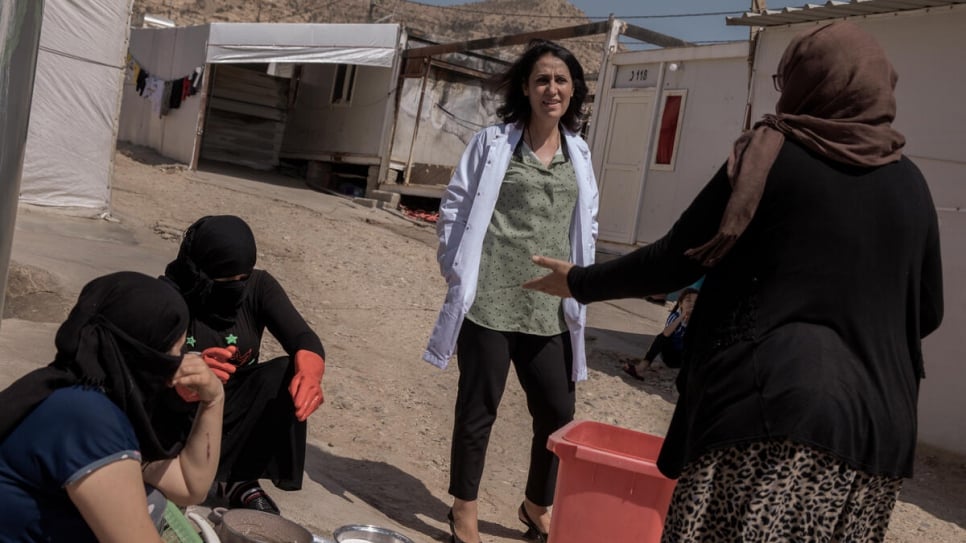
164,95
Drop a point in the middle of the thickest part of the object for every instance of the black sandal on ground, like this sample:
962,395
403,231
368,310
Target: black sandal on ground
453,538
631,369
533,531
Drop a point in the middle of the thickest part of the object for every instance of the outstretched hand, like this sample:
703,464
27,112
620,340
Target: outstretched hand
554,283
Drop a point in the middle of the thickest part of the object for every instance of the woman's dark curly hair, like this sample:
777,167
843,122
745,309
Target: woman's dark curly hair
516,105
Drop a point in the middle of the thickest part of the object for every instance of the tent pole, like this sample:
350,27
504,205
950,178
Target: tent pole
392,109
427,65
202,117
18,62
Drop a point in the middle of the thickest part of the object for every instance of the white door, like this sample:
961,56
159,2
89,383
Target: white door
622,169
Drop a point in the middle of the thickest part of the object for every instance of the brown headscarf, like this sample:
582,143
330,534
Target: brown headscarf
837,100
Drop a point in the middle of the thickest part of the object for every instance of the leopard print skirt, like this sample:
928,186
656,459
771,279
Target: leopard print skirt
777,492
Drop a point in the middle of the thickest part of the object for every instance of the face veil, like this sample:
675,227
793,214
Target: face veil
214,247
117,339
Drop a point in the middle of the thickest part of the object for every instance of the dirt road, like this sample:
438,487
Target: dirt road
368,283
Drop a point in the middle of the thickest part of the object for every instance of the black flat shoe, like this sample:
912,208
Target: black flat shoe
533,531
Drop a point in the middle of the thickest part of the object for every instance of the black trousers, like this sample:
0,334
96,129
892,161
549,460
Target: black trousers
261,438
662,345
543,366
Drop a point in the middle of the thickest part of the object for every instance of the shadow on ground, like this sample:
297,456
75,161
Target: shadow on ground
342,476
937,485
143,154
272,177
609,350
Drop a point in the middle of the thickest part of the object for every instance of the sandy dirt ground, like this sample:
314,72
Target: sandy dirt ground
367,281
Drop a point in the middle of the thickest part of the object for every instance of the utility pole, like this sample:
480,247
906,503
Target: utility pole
757,6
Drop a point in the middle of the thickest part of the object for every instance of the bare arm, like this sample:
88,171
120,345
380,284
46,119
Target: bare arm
113,502
185,479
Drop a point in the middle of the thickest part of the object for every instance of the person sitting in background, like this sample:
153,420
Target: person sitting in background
267,403
670,342
77,449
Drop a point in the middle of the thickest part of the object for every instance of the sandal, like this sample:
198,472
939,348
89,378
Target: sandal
631,369
453,538
533,531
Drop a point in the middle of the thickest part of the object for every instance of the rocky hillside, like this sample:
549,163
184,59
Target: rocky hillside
444,24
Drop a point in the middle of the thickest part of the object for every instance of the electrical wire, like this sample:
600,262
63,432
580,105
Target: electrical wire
544,16
463,122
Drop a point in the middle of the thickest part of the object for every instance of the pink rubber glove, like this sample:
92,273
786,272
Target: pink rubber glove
218,361
188,395
306,386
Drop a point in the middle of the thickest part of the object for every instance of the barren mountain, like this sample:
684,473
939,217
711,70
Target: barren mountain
442,24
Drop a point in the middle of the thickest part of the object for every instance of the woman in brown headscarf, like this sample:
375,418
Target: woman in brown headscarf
820,245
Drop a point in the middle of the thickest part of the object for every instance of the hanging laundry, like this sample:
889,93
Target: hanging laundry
154,91
142,79
165,98
132,69
174,100
164,95
196,78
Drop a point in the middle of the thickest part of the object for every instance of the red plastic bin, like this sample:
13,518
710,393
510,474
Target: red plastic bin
608,486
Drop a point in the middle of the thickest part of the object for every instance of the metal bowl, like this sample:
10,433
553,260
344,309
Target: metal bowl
249,526
365,533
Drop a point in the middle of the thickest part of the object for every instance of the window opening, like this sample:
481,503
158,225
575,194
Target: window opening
670,130
345,78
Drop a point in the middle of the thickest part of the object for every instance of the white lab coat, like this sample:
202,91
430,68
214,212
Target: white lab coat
464,215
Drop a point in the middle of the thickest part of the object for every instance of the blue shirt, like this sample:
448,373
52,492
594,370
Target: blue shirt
69,435
677,336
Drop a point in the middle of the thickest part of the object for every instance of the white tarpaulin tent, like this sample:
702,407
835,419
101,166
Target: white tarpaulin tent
360,44
69,155
173,53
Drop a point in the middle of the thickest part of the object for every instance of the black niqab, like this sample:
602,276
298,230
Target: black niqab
214,247
116,338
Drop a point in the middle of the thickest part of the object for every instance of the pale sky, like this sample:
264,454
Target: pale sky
694,29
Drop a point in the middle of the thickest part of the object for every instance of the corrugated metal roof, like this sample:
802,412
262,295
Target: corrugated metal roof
832,10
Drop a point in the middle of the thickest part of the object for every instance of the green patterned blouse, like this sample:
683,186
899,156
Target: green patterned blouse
532,217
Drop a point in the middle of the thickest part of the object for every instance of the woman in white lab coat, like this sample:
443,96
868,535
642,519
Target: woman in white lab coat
521,188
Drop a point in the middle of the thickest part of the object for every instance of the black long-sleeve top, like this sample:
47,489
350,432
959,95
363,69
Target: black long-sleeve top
809,329
265,305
